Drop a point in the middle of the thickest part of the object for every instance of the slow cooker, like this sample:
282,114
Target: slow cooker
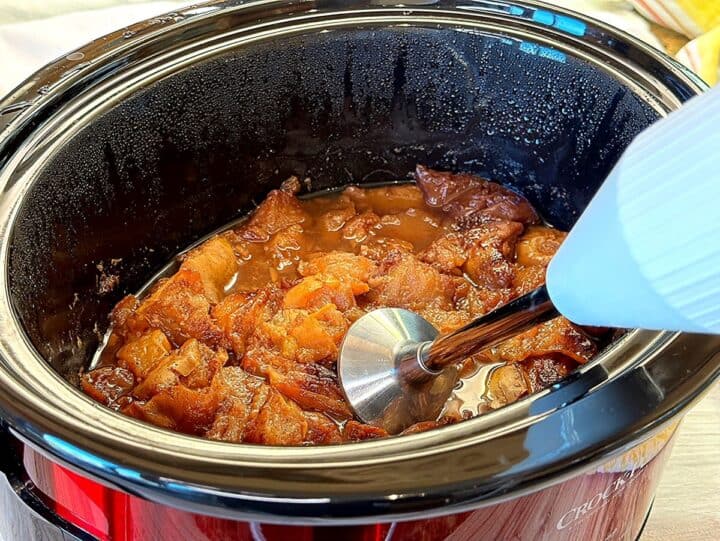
122,153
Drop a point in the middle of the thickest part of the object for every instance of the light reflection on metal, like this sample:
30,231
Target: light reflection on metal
395,371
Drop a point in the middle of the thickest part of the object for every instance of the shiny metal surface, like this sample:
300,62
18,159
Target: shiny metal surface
647,377
23,513
488,330
380,372
396,372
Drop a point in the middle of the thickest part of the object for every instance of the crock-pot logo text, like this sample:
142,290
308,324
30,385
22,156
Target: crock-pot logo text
598,501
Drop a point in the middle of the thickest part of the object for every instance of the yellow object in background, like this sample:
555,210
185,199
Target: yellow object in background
667,25
699,21
702,55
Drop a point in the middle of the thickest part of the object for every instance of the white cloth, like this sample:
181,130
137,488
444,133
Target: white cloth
27,46
17,11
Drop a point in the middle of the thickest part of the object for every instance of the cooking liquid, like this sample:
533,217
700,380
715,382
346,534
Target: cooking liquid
387,214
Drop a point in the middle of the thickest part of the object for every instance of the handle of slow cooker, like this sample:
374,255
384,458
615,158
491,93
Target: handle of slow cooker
5,443
23,512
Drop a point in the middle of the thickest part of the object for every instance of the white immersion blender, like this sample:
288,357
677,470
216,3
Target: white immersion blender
644,254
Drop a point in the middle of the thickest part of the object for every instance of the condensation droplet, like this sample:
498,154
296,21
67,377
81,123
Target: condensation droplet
77,55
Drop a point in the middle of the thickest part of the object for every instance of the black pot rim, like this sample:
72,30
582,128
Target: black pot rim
481,461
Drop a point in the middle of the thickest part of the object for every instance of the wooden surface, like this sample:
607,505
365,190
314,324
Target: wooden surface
687,504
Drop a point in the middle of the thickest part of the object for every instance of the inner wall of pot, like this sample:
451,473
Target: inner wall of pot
201,147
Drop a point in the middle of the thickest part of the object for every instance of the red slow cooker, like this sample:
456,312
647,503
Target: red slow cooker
119,155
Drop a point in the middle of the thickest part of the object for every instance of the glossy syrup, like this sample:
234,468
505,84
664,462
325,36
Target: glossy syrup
419,226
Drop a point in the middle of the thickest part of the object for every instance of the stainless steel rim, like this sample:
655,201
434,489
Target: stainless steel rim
353,483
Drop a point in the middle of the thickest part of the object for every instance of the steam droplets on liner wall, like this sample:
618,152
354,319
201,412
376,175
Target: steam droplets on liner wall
654,230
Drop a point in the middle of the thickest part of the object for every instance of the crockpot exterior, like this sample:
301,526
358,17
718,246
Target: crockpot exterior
113,477
610,503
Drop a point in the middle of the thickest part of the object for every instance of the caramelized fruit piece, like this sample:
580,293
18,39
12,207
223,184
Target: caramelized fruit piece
107,384
240,344
239,314
506,384
242,397
143,354
321,429
193,365
279,210
359,227
557,336
316,291
386,199
314,389
180,408
471,200
490,252
406,282
214,260
541,372
354,269
279,422
179,308
354,431
447,254
538,245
